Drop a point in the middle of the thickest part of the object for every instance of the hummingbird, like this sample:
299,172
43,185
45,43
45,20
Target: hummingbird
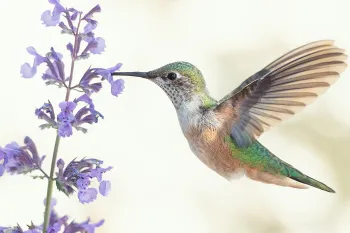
224,134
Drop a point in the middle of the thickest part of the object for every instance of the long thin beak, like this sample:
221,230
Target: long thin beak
135,74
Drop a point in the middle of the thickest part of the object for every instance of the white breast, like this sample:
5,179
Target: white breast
191,115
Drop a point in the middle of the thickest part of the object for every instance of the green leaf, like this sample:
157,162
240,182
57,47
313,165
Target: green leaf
61,188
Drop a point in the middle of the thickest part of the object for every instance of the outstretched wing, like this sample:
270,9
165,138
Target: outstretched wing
281,89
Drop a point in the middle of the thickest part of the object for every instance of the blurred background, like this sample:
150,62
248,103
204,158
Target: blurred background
158,185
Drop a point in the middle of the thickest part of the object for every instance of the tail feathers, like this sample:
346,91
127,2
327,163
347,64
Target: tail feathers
283,174
297,175
312,182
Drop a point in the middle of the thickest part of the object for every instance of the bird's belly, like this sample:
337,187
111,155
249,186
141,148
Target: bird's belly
213,151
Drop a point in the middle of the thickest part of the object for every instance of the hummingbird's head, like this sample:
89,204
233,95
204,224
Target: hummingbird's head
179,80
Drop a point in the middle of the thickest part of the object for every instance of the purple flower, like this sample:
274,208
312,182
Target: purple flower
55,72
2,165
89,15
90,228
105,187
74,16
86,114
88,34
94,10
28,71
85,227
117,87
70,48
66,118
46,112
94,73
2,169
86,99
107,73
32,231
95,46
100,46
87,195
78,175
20,159
89,28
53,18
65,29
56,227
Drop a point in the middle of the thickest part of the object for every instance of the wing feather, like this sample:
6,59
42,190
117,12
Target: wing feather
282,88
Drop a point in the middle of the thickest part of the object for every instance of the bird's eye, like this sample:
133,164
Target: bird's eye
172,76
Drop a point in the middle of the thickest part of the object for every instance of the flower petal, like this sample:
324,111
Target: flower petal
31,50
2,169
49,19
100,47
85,98
117,87
67,105
83,182
96,9
87,195
105,187
65,129
27,71
70,48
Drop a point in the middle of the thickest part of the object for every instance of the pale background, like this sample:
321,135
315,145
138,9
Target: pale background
158,185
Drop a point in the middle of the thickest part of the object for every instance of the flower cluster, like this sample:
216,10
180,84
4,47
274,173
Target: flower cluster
15,159
66,120
57,224
78,174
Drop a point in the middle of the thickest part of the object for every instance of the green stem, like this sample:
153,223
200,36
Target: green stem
50,185
57,142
